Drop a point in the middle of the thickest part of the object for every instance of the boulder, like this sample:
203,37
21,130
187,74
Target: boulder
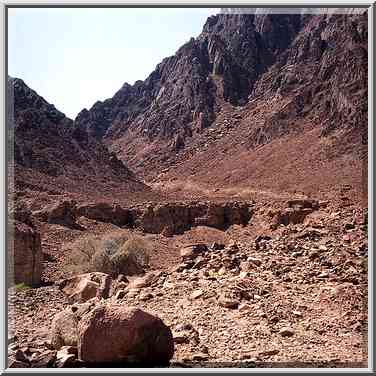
83,287
64,325
106,212
291,216
44,360
192,251
66,357
303,203
118,334
144,281
25,254
62,212
64,329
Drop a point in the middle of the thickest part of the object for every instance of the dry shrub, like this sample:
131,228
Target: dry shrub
113,254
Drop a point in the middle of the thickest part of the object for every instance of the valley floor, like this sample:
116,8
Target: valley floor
294,295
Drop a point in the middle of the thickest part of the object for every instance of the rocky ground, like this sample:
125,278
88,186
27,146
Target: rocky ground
261,295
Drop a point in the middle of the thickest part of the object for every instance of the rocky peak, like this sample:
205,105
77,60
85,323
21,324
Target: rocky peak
26,102
43,139
181,95
304,57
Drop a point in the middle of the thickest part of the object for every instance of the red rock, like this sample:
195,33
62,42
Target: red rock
25,255
83,287
115,333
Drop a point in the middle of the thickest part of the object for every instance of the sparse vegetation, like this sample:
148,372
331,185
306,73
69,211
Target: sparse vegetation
22,286
113,254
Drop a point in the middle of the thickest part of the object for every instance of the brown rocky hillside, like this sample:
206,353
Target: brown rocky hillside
250,90
52,155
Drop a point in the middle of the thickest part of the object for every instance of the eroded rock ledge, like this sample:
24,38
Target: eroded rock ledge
169,219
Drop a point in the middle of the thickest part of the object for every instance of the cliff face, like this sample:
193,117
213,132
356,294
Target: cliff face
181,95
325,69
313,66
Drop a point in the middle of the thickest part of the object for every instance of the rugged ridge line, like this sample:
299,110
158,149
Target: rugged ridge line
315,64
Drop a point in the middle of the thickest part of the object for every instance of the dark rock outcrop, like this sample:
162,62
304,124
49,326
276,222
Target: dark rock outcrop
171,218
179,217
25,252
105,212
63,212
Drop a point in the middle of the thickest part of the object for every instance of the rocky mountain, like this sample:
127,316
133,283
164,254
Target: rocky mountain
51,153
47,141
299,70
180,96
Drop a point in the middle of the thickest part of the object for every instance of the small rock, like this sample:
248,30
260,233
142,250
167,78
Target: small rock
192,251
13,363
243,275
133,293
120,294
20,356
346,238
244,307
286,332
233,244
199,357
217,246
14,347
204,349
180,338
181,327
44,360
196,294
297,313
66,356
254,261
122,278
12,339
147,280
228,302
65,361
268,352
146,296
221,271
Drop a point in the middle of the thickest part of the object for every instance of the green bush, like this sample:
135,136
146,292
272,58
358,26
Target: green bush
113,254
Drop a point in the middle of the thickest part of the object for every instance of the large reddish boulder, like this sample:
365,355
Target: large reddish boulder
118,334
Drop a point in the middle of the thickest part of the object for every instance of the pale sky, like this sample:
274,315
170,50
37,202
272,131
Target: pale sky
74,57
